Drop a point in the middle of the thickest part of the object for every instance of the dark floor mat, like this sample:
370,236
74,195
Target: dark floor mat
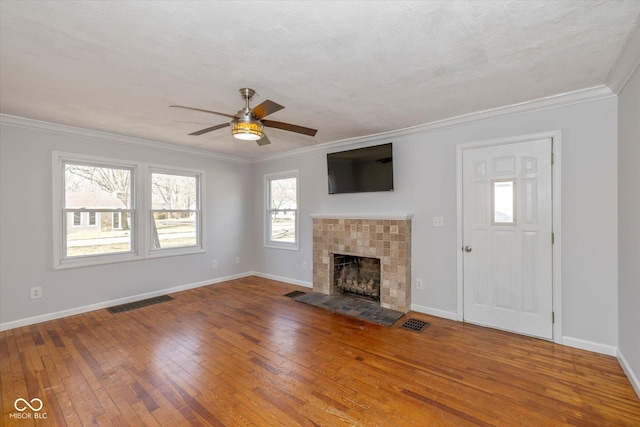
353,306
137,304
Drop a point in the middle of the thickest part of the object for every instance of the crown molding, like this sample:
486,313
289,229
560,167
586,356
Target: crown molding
628,61
555,101
540,104
21,122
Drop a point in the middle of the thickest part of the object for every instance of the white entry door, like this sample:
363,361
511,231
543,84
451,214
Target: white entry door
507,237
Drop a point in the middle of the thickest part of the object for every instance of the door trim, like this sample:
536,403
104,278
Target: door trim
556,216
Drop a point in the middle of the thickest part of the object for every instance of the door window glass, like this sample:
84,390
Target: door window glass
503,202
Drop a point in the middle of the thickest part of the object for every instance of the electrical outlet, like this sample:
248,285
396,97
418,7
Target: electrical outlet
35,293
237,260
214,263
419,284
304,265
438,221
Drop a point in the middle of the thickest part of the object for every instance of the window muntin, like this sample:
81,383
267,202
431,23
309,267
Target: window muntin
282,210
96,191
175,210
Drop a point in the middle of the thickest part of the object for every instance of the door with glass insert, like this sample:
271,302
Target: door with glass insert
507,236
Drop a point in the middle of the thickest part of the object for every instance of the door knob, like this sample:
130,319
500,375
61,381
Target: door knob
467,248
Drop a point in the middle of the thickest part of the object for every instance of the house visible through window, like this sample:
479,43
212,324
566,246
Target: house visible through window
93,192
282,210
109,210
175,210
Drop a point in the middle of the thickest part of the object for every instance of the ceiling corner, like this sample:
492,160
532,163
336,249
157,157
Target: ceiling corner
627,62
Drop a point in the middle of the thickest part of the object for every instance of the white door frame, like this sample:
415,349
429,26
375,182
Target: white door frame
556,223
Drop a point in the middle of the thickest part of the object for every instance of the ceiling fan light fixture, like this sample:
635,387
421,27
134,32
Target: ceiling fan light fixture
248,131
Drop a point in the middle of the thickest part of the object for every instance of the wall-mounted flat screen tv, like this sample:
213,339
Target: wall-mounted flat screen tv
361,170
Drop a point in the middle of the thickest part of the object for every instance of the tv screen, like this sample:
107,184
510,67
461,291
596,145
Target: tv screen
361,170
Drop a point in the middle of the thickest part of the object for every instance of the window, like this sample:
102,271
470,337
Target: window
503,201
175,210
282,210
107,210
92,190
116,221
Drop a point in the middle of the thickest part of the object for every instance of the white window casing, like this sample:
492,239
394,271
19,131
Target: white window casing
101,222
282,219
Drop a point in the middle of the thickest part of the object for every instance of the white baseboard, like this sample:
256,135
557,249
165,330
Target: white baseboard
98,306
589,345
434,312
282,279
633,379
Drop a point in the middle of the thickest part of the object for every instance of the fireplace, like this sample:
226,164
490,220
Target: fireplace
356,275
386,238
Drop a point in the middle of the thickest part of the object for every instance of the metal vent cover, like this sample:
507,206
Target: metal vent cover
294,294
415,325
138,304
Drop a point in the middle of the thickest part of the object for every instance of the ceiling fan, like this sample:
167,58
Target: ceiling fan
249,123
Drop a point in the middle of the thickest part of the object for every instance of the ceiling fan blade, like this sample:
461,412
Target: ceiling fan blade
212,128
204,111
263,141
266,108
290,127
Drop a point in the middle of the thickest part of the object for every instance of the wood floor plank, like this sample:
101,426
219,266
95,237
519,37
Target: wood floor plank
241,353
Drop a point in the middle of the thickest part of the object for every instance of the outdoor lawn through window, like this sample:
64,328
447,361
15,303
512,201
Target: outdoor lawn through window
97,210
283,208
175,210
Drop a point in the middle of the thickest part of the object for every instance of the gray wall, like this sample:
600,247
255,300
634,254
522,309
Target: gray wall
26,253
425,182
629,226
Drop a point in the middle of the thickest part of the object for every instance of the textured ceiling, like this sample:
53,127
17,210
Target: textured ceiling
348,69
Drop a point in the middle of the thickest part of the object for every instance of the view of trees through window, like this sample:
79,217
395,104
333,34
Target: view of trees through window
97,210
283,207
175,210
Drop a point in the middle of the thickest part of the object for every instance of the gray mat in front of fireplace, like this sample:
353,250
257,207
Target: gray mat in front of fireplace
353,306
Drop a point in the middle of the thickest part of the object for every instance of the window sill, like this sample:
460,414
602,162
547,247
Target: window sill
169,252
285,246
92,261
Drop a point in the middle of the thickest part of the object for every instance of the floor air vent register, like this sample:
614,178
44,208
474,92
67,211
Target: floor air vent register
294,294
138,304
415,325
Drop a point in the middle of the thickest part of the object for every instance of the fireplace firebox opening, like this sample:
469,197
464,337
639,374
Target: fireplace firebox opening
356,275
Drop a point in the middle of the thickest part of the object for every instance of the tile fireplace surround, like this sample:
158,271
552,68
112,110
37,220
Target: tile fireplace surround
383,236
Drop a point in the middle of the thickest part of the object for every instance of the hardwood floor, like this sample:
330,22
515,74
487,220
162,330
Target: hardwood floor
240,353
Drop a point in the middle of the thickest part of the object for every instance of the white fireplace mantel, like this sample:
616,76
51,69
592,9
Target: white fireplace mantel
389,216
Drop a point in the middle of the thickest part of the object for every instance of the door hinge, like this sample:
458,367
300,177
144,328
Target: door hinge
553,158
553,238
553,317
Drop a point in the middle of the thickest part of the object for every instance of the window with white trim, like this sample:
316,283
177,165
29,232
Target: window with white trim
175,210
282,222
99,207
89,191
